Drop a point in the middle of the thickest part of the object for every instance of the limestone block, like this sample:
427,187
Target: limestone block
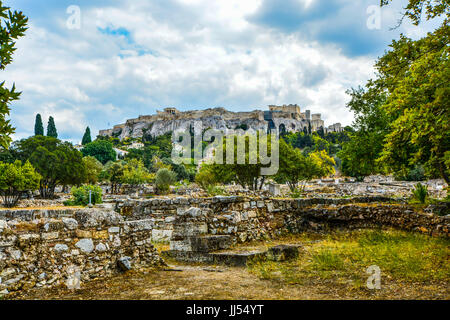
61,248
50,235
83,233
85,245
161,235
70,223
101,247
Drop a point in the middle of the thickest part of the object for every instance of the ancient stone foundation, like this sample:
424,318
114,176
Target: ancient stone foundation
44,248
200,229
69,248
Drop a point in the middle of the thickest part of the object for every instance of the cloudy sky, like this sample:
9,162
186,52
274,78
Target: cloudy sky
133,57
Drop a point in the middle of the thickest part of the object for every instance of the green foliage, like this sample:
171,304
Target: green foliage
113,172
416,75
93,169
247,174
402,117
13,25
416,9
414,174
86,137
16,179
358,155
242,126
294,166
158,148
216,191
51,128
100,149
297,192
164,179
56,161
420,193
134,173
206,177
323,164
327,260
162,144
80,196
38,126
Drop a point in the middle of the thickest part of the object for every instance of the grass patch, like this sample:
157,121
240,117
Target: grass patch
345,256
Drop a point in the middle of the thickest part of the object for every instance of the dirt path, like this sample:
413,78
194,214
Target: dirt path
209,283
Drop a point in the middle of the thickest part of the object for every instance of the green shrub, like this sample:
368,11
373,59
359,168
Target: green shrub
205,178
164,179
298,192
420,193
415,174
216,191
80,196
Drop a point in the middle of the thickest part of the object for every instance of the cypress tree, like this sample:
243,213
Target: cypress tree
51,128
87,137
38,126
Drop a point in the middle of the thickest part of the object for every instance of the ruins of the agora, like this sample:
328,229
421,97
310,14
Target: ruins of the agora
46,245
288,118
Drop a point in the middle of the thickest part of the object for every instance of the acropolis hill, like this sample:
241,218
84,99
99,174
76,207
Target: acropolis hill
282,118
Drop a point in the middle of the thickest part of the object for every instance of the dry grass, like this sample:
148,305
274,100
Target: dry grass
345,256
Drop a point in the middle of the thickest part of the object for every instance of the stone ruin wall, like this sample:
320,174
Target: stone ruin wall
39,247
246,219
46,248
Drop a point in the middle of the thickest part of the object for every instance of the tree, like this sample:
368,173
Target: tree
93,169
59,163
113,172
135,173
15,179
51,128
324,163
415,76
246,173
418,101
12,26
358,156
164,179
416,9
100,149
183,171
206,177
86,137
38,126
294,166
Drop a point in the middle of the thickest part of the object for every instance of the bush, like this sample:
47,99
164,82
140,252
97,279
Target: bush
420,193
415,174
216,191
16,179
205,178
80,196
164,179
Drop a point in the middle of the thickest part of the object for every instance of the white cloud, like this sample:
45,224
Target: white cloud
185,53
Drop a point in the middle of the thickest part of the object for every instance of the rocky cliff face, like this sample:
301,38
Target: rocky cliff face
218,118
